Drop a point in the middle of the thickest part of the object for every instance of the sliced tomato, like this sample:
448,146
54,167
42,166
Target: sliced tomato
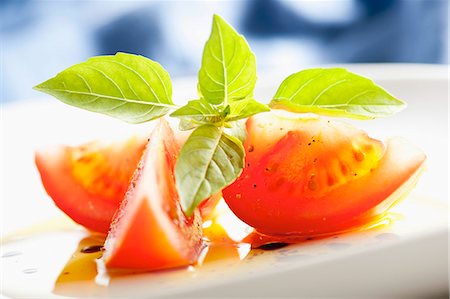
150,230
311,176
88,182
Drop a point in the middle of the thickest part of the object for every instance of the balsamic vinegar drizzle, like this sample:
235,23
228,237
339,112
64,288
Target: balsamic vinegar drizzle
228,242
273,246
92,249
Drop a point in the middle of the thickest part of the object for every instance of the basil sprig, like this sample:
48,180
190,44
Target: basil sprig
211,159
136,89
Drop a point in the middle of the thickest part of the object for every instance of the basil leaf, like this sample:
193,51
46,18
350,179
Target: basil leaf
238,130
335,92
196,113
209,161
187,124
245,108
199,112
228,70
129,87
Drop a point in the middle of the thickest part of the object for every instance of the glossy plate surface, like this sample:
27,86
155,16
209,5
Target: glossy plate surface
40,251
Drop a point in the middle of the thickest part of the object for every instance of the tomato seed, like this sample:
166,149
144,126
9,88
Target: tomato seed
358,155
312,184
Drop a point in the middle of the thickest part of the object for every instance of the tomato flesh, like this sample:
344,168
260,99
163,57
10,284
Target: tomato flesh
150,230
312,176
88,182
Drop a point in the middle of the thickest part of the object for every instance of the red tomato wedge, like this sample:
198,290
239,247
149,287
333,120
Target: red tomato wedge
88,182
150,230
312,176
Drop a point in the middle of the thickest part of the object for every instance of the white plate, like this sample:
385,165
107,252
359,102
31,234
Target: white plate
407,258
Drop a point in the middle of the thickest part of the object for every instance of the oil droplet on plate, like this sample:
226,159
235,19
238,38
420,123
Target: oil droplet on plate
387,236
11,254
339,246
29,270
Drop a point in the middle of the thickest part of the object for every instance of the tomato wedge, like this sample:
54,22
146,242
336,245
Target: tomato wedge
88,182
312,176
150,230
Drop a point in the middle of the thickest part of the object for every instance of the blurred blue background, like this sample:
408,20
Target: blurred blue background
40,38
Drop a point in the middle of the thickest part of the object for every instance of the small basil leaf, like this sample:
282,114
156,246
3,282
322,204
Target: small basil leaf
196,108
196,113
188,124
129,87
228,70
209,161
238,130
335,92
245,108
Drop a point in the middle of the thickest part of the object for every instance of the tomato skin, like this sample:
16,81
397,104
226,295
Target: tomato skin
303,176
88,182
150,230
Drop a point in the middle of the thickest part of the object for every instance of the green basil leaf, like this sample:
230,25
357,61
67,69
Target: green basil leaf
209,161
196,113
335,92
187,124
129,87
245,108
238,130
228,70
